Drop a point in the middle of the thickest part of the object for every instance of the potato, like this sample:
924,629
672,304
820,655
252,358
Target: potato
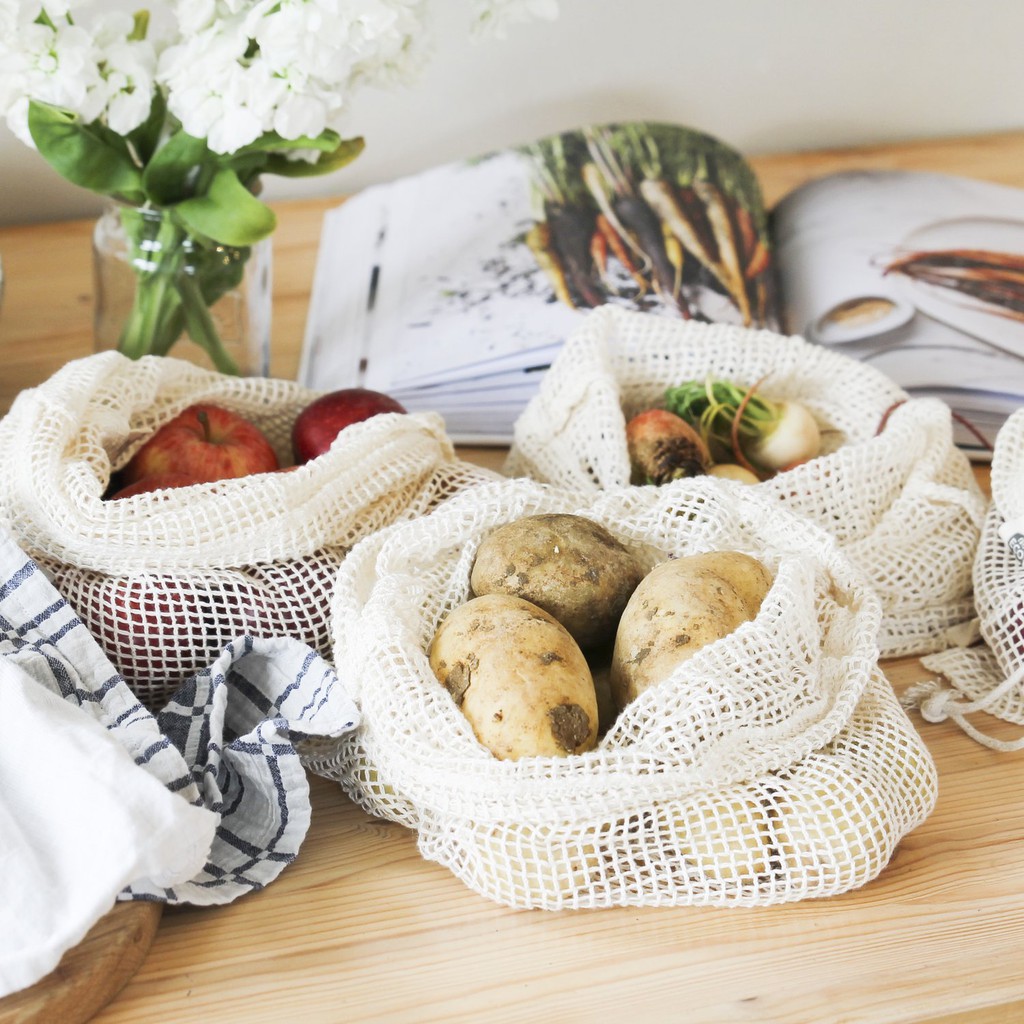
728,840
518,677
730,471
750,577
832,823
678,608
568,565
539,871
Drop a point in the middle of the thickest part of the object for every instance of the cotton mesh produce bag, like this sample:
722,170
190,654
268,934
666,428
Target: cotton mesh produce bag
165,580
988,676
902,501
774,765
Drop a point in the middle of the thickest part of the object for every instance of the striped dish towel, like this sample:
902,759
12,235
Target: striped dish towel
101,800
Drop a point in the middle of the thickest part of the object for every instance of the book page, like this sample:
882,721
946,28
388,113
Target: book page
919,274
453,289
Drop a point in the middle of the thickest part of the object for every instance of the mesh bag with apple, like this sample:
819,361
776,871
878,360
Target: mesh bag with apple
773,764
216,532
985,675
888,481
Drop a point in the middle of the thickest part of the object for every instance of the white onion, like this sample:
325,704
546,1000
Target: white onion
795,438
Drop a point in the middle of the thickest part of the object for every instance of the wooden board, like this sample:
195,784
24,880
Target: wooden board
92,973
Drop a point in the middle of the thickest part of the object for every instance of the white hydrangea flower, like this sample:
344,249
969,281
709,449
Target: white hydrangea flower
333,42
211,89
128,73
98,74
14,14
195,15
235,70
124,93
494,17
287,66
61,9
54,65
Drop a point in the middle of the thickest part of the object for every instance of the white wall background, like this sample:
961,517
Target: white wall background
762,75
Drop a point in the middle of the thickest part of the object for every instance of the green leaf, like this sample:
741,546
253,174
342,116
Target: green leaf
89,156
175,170
248,167
145,137
346,152
327,141
228,213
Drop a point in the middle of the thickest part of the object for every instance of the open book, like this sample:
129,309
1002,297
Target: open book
452,290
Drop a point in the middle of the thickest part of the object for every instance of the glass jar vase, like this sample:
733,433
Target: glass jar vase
160,290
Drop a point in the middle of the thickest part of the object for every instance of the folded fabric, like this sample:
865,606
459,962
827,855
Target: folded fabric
78,823
236,725
100,800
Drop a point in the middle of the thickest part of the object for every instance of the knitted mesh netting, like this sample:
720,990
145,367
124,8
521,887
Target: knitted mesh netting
774,765
165,580
902,502
989,676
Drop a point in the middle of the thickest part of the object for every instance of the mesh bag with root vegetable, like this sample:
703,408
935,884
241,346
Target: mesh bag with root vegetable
889,484
987,677
775,764
166,579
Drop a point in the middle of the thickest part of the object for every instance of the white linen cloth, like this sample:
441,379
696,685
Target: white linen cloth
100,800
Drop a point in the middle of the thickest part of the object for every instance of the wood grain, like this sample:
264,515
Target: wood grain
361,922
92,973
362,928
996,158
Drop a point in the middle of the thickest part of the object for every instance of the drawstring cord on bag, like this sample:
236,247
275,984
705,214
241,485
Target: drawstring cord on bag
936,703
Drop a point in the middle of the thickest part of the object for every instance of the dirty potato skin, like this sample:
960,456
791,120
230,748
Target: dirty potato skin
678,608
569,565
747,574
518,677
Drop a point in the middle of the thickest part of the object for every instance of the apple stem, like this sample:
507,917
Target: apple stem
204,421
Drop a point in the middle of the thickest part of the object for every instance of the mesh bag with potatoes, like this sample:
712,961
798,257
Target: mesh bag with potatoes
987,676
902,501
165,580
775,764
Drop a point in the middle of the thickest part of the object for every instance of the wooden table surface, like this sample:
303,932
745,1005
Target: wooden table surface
360,928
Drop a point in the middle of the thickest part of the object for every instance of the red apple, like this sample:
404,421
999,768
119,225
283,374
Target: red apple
160,630
205,442
152,483
301,589
322,420
235,607
152,629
